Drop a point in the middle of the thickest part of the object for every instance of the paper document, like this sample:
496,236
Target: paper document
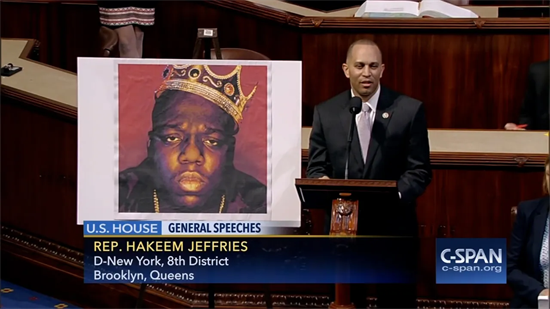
412,9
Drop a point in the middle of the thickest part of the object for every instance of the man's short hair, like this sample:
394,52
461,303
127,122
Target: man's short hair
361,42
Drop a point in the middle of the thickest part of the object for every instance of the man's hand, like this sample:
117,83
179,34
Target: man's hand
514,127
544,292
324,177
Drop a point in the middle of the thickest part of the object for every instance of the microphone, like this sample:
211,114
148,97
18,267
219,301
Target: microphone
355,106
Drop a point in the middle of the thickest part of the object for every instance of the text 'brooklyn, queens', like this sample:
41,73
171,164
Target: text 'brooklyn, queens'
130,276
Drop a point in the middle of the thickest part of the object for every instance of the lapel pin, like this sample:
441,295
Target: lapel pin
385,115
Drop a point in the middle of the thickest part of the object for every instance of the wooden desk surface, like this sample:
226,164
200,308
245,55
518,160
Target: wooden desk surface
37,79
479,141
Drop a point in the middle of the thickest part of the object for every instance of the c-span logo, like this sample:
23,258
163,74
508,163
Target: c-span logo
470,261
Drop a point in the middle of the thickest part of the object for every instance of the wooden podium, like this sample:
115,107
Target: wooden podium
345,197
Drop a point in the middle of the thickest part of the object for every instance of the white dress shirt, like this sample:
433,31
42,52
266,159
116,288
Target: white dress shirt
372,103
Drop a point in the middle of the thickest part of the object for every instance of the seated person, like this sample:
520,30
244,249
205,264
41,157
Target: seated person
534,111
528,250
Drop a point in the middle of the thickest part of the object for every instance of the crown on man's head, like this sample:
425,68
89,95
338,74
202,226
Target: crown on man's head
222,90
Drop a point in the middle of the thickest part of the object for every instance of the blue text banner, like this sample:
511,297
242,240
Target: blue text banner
266,259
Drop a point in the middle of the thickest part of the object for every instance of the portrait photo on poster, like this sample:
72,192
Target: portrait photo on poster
192,140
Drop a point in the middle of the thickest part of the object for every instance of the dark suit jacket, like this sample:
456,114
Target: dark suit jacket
524,273
534,111
399,150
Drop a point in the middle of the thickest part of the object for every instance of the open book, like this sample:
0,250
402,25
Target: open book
398,9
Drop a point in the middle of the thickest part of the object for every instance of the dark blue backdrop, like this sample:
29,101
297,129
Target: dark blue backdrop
267,260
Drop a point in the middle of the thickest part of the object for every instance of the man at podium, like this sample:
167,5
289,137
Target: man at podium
390,142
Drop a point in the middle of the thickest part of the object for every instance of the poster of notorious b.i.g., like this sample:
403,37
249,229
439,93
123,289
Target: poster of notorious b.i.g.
193,141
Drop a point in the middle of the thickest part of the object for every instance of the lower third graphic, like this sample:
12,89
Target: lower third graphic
471,261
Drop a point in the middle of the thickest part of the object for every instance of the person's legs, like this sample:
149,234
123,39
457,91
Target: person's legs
402,295
127,42
359,295
139,40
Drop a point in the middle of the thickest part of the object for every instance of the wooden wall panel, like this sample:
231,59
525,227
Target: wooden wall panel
39,198
78,28
470,202
39,173
174,34
39,178
32,21
469,75
69,30
466,79
466,202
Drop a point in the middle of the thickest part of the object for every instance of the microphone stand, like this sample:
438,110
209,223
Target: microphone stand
211,296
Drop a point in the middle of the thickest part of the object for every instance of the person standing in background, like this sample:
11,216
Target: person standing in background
126,18
534,111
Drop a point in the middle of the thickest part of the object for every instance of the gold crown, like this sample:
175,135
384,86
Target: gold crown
222,90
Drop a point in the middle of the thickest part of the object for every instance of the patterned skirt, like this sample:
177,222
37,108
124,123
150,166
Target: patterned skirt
124,13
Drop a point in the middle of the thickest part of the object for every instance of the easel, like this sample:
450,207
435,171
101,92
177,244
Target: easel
206,36
203,34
